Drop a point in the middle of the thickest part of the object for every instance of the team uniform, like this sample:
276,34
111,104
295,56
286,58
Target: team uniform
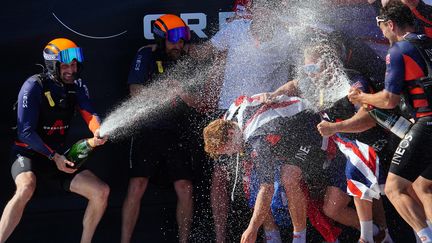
405,66
45,109
161,143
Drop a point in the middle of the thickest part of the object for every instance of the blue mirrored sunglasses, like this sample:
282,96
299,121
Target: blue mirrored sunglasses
68,55
174,35
311,68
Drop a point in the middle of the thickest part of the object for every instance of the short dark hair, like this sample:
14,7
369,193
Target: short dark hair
399,13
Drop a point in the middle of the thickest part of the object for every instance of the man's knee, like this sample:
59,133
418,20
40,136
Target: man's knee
266,188
422,186
395,186
26,185
334,201
291,177
183,189
331,209
390,190
137,187
101,192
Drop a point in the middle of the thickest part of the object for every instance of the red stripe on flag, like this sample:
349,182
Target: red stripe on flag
371,163
354,189
267,107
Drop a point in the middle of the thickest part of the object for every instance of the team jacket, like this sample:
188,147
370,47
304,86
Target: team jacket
405,64
147,64
45,110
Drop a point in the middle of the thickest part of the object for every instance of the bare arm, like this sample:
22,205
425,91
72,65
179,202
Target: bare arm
382,99
260,213
290,89
360,122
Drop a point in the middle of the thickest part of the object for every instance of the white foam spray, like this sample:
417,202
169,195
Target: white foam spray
186,78
290,27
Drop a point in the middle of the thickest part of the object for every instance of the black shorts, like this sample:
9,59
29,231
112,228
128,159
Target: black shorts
154,152
273,150
45,170
335,171
413,157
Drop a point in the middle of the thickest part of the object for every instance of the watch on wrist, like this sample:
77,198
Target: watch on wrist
51,155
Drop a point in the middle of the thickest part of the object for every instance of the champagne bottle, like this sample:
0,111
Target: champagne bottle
79,152
397,124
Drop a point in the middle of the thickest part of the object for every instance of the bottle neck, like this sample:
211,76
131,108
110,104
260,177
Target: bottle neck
91,142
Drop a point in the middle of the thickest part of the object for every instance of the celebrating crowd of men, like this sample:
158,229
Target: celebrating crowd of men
290,113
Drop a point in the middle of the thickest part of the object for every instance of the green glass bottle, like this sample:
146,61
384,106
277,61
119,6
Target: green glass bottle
397,124
79,152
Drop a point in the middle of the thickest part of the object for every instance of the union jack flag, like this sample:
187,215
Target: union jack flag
364,179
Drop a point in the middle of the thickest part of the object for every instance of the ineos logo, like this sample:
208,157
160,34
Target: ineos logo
198,27
400,151
404,144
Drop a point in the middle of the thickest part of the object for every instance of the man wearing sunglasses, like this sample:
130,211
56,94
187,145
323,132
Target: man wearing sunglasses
159,146
46,104
409,182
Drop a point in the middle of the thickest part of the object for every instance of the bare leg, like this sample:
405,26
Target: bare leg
336,207
25,185
364,209
380,219
131,206
184,212
379,213
269,223
423,189
291,177
219,201
96,191
260,213
397,190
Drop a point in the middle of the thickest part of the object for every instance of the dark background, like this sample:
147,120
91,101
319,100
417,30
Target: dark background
53,215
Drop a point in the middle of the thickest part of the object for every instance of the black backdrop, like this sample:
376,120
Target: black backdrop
26,27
